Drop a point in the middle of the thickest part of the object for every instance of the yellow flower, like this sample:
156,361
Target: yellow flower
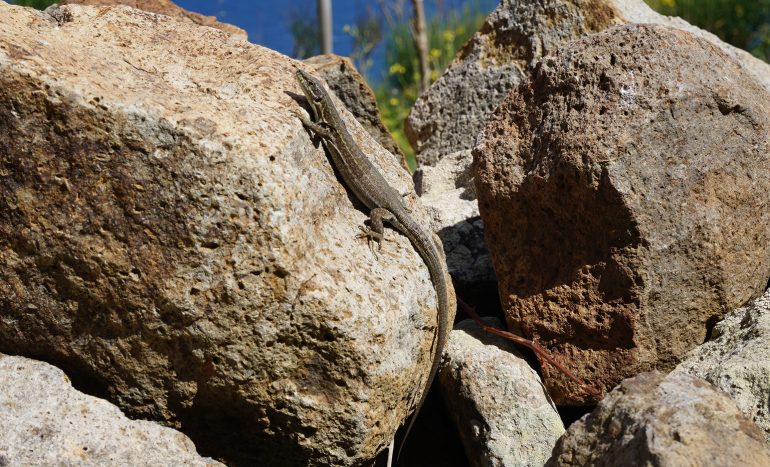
393,101
448,35
397,69
435,53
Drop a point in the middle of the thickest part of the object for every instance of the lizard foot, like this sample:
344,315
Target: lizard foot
373,237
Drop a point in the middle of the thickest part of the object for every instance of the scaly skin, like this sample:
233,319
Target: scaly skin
386,204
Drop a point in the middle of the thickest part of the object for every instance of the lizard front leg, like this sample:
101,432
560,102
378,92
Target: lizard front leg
375,233
318,128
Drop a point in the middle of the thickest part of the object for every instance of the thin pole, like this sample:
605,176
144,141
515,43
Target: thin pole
421,42
325,25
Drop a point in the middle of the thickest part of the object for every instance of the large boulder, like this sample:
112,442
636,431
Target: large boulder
45,421
654,420
445,121
624,193
516,35
737,360
496,400
173,238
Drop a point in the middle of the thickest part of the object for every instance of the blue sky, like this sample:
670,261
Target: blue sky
267,21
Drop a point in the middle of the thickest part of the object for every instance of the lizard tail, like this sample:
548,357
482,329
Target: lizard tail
432,255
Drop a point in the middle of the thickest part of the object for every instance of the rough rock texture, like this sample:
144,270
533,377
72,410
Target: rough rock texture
44,421
654,420
737,360
448,117
624,195
497,400
449,192
172,237
351,88
165,7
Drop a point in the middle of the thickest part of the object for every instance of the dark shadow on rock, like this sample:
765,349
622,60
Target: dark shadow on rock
433,440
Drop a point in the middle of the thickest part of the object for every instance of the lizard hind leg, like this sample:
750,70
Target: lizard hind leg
375,232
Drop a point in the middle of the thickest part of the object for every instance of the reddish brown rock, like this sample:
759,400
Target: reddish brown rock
624,189
653,420
165,7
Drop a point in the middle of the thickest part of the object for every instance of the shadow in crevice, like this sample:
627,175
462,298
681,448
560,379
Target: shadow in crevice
434,440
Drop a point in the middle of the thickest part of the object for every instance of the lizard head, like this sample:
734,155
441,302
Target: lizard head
312,88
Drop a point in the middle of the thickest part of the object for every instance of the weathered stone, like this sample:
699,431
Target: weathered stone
450,194
171,236
445,121
45,421
448,117
663,421
637,11
497,400
624,195
351,88
168,8
737,360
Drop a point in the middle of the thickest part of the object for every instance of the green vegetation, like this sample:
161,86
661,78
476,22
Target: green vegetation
742,23
39,4
366,33
399,88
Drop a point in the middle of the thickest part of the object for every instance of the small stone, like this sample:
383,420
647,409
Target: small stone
658,420
45,421
737,360
496,400
450,193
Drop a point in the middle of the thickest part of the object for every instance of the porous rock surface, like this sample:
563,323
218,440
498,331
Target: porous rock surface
448,190
737,360
173,238
496,400
45,421
448,117
168,8
655,420
623,190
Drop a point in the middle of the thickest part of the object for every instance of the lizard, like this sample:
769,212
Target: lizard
386,204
